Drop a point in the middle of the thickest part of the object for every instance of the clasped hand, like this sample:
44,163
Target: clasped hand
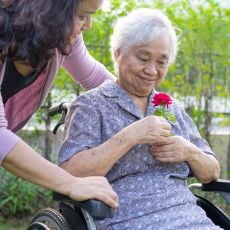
156,131
175,149
149,130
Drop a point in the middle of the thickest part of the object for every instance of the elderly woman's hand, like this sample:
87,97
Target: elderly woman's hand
176,149
149,130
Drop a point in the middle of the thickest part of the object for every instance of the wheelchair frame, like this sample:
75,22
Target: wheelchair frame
73,215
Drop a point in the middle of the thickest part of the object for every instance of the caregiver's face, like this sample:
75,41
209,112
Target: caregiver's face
143,67
85,11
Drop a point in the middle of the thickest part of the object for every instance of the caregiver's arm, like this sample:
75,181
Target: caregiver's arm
84,68
24,162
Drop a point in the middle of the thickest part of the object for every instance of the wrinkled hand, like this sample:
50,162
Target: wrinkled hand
149,130
177,149
95,187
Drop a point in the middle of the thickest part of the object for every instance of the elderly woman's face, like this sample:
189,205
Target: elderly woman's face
143,67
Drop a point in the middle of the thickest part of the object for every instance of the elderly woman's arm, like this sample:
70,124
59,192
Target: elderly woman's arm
205,167
99,160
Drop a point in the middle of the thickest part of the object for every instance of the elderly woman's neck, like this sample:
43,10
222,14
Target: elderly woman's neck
141,102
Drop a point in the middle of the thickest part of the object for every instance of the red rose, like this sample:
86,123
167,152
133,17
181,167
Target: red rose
162,99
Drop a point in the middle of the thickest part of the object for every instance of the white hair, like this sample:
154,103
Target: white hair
141,26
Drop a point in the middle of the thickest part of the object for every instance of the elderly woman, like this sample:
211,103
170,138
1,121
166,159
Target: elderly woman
112,131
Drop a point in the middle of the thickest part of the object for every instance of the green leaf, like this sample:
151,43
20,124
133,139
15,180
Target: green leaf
172,118
158,112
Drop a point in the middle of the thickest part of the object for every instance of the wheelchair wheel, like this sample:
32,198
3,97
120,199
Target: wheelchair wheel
38,226
73,216
51,218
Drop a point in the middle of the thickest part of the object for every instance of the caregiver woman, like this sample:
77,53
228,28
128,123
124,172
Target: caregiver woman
36,39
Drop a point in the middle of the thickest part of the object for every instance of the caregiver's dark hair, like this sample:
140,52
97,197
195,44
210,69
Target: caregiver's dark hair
31,29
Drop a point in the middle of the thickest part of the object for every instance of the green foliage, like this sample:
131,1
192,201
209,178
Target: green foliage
14,223
97,39
20,197
200,73
201,70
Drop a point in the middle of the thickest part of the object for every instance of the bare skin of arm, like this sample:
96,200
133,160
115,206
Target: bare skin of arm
24,162
151,129
205,167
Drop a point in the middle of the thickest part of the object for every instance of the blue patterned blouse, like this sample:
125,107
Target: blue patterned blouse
153,195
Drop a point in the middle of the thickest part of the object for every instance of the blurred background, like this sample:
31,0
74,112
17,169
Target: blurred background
199,79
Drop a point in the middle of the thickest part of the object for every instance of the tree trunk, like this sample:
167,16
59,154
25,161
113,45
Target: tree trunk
208,101
207,119
228,159
48,132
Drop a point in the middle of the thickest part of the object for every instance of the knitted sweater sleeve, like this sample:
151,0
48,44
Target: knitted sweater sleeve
86,71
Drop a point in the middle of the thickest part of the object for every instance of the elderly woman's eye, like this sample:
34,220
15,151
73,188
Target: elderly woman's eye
162,63
143,58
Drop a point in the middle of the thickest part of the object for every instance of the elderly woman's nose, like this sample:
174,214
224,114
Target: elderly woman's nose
150,69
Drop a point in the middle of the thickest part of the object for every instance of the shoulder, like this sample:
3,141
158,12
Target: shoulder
91,98
179,110
106,90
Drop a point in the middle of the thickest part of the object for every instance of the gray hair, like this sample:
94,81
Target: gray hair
141,26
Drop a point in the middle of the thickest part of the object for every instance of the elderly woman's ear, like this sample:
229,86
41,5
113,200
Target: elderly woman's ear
117,54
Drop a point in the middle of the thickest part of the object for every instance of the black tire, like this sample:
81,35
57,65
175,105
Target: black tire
51,218
38,226
73,216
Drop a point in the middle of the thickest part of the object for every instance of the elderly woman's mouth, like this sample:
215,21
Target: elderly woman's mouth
147,80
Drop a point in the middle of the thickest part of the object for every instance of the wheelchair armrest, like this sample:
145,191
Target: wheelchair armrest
97,209
218,186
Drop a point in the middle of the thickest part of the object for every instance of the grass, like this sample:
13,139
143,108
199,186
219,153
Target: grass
20,221
14,223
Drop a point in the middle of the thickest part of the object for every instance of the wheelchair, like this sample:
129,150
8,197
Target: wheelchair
73,215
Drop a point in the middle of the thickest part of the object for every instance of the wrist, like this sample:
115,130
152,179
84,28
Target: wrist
65,182
194,154
125,138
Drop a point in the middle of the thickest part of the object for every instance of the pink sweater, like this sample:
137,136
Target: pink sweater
85,70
